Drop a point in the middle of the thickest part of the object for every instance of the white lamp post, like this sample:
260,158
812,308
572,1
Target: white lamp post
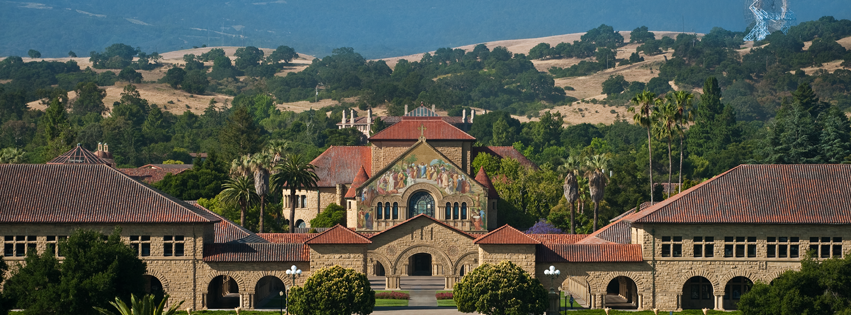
553,273
293,272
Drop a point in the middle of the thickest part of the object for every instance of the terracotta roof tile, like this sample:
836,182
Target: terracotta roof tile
558,238
482,178
256,252
409,129
761,194
397,225
359,179
78,155
86,193
340,164
226,231
286,238
153,173
559,253
506,235
338,235
504,152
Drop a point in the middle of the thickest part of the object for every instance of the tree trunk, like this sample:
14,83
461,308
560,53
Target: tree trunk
572,219
680,186
596,207
262,211
292,211
650,158
670,168
242,213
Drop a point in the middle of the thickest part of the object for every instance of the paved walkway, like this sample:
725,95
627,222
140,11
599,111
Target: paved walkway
422,298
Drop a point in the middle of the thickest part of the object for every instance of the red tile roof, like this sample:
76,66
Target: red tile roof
558,238
78,155
555,253
504,152
761,194
506,235
86,193
409,129
340,164
153,173
397,225
482,178
256,252
286,238
338,235
226,231
359,179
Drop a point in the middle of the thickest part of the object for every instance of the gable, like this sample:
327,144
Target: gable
421,226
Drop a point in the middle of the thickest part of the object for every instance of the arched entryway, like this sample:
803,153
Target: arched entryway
222,293
154,287
420,265
734,290
300,224
621,293
379,269
270,292
698,294
421,202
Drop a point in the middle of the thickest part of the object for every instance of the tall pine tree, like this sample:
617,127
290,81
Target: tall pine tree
241,136
835,141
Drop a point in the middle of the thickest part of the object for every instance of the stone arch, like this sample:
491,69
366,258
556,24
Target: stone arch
768,277
601,282
434,191
723,279
161,277
254,277
466,257
267,286
423,249
713,278
388,267
213,274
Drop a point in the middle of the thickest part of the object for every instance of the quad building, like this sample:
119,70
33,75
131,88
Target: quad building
702,248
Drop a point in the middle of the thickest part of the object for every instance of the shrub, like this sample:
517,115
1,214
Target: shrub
393,296
444,296
333,291
500,289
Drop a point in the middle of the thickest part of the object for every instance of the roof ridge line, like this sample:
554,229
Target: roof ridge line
168,197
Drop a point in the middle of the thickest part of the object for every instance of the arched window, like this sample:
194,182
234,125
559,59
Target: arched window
395,211
387,213
463,211
380,214
455,211
448,211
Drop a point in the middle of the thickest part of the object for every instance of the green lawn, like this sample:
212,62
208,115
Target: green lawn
390,302
613,312
446,303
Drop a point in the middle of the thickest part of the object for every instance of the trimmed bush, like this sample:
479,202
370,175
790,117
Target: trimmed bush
393,296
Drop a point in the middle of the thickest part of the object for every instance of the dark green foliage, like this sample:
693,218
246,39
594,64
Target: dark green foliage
5,301
116,56
482,127
72,54
641,35
174,77
89,99
347,136
223,69
241,136
658,86
195,82
614,85
282,53
248,57
212,55
500,289
130,75
332,215
202,181
516,218
333,291
34,54
820,287
96,270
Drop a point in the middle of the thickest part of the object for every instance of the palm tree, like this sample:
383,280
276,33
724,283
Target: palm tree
597,181
145,305
665,118
571,188
682,99
294,173
239,191
260,164
643,108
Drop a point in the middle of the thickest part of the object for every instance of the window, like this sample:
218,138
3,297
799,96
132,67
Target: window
455,211
395,211
672,246
739,246
826,247
304,201
142,244
173,245
448,211
53,245
19,245
463,211
704,246
782,247
379,211
387,212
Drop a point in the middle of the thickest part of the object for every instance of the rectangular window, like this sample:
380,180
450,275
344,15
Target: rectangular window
703,246
53,244
740,246
672,246
826,247
141,244
19,245
173,245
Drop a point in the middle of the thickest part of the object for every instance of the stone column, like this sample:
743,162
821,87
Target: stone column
719,302
448,282
391,283
640,302
679,301
601,301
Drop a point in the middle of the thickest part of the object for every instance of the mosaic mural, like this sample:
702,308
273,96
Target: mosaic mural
422,165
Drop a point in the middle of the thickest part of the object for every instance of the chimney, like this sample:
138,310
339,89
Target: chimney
353,118
344,119
105,147
432,107
472,115
464,116
100,146
368,121
406,109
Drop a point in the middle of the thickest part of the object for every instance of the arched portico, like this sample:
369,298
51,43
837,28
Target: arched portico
222,293
401,266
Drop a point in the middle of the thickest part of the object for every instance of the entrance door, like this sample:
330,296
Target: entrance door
421,203
420,265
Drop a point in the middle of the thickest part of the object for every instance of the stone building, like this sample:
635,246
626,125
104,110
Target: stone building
701,248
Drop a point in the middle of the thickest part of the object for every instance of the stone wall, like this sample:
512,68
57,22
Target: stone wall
521,255
384,152
345,255
246,275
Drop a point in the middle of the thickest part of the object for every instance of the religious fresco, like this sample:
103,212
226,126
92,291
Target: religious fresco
422,165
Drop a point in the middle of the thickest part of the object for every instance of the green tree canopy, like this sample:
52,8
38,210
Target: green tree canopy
332,215
333,291
500,289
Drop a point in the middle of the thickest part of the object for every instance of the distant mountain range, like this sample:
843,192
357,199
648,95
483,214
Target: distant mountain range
375,28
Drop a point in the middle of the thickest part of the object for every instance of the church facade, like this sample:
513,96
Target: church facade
416,208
